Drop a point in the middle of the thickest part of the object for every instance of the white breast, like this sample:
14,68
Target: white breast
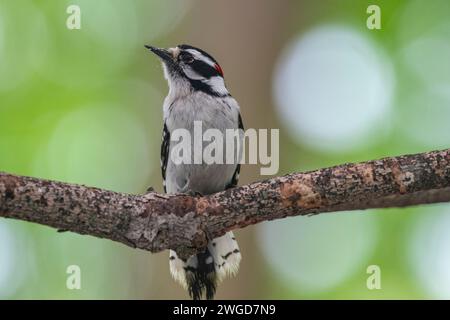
213,112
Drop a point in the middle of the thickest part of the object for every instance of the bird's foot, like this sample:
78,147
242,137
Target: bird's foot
194,194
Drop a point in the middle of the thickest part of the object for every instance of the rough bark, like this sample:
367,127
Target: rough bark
156,221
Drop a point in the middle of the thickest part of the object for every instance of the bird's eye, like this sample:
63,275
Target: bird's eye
188,59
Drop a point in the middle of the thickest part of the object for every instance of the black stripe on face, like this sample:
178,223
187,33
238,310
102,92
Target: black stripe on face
199,85
187,47
204,69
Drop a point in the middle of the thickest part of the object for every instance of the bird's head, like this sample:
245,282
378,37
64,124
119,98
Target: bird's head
190,68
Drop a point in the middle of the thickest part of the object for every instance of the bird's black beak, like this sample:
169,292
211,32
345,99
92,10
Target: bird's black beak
164,54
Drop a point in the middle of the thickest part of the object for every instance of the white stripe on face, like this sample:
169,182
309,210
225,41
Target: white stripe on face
191,74
198,56
217,84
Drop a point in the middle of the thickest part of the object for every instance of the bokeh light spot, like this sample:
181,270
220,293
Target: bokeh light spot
19,57
98,145
428,57
333,89
428,125
428,247
112,33
418,18
314,254
11,252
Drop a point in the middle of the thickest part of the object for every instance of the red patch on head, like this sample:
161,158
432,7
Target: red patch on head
219,69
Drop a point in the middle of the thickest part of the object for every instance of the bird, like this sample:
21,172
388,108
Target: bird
197,92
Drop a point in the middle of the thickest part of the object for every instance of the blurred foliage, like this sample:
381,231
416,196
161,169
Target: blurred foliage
84,106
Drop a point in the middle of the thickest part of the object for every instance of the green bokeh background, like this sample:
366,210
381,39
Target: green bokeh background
85,106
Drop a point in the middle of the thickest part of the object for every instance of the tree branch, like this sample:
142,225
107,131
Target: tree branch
156,222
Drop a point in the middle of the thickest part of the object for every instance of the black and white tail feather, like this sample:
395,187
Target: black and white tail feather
197,92
202,272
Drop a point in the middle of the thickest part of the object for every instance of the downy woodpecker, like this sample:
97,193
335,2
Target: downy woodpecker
197,92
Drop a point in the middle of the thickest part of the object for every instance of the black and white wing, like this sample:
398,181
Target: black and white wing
165,144
234,181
